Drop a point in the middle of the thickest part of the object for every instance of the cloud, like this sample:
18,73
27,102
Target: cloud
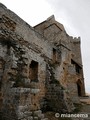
73,11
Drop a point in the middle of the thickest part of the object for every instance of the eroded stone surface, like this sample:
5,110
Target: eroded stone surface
40,68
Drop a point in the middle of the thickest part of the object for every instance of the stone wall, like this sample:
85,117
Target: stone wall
69,48
56,99
38,68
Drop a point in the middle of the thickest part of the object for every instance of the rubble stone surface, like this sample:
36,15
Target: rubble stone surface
40,68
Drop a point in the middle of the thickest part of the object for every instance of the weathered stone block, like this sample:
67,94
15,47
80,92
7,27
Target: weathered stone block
30,118
28,113
35,118
44,119
35,91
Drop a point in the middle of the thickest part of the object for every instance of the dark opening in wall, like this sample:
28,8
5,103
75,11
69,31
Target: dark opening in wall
2,65
33,71
77,67
79,88
54,55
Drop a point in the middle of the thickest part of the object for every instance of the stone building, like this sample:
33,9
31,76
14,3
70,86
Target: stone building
40,68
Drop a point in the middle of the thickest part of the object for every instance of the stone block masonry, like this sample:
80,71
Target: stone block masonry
40,68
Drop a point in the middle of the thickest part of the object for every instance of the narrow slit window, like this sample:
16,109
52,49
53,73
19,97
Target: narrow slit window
54,55
79,88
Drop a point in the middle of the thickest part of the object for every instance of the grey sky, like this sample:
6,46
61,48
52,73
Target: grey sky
73,14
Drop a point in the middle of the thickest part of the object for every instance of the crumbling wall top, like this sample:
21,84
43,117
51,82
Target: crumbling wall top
3,6
48,22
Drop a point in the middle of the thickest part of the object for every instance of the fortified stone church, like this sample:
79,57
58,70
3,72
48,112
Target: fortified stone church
40,68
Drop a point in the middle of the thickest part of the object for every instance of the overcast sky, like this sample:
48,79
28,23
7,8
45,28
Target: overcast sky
73,14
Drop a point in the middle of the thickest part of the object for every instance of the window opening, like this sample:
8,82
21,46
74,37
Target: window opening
54,55
79,88
33,71
77,67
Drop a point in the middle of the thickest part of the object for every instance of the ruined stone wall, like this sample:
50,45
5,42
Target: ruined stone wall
56,94
18,91
70,50
19,46
37,68
25,31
